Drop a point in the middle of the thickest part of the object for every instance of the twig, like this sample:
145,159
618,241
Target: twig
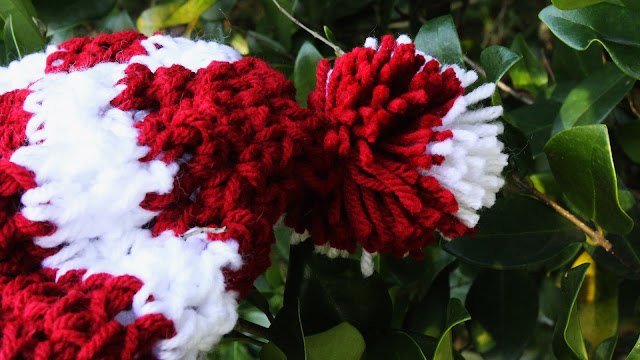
596,236
504,87
335,47
252,328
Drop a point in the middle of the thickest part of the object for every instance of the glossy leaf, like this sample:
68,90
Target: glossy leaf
329,34
334,290
581,162
528,74
272,352
567,337
429,315
593,99
342,342
153,18
230,351
606,349
60,15
397,345
515,232
304,71
635,352
505,303
438,37
571,65
497,60
597,304
21,35
188,13
456,314
606,23
117,22
535,121
282,26
574,4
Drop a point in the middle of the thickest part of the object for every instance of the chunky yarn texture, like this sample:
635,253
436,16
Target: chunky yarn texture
140,179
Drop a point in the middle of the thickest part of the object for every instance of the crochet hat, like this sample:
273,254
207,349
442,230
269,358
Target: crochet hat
140,179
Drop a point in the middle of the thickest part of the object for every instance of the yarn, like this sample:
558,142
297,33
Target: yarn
122,145
394,154
115,153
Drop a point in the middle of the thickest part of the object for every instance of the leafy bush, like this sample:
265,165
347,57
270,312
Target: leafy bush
553,271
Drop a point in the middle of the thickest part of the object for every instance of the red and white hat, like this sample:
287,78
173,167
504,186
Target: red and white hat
115,153
140,179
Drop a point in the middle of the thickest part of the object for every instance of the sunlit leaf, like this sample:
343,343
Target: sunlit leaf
593,99
438,37
581,162
567,338
606,23
528,73
497,60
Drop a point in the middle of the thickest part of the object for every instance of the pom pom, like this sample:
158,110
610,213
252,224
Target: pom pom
394,154
114,153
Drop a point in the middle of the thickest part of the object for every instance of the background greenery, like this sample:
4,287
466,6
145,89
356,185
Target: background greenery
531,284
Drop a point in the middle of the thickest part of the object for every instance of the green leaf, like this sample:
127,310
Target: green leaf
329,34
593,99
21,34
272,352
333,291
62,14
572,65
456,314
286,330
505,303
497,60
304,71
230,351
429,315
438,37
259,301
529,73
581,162
606,23
396,346
567,337
629,139
535,121
606,349
635,352
597,303
189,12
574,4
117,22
342,342
515,232
283,26
152,19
